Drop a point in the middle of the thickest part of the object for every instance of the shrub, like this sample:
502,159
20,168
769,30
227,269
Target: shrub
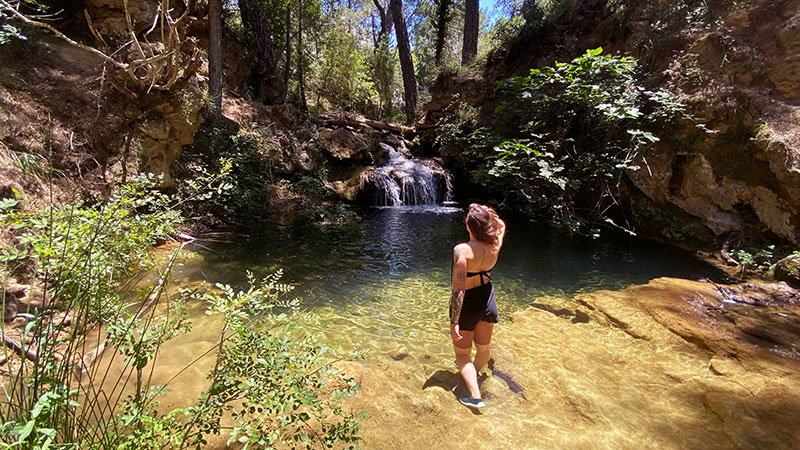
270,378
574,129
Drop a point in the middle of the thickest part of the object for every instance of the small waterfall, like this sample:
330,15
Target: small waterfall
403,181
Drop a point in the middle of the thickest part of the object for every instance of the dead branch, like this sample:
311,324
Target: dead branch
359,122
19,348
49,27
158,288
146,66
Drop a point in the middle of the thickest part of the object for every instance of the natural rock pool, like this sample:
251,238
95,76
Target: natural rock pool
384,283
672,364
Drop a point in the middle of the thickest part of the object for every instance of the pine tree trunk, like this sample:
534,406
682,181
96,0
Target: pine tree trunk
254,19
288,54
215,56
300,58
442,17
406,63
383,72
471,21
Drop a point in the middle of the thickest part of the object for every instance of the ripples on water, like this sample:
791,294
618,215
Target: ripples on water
384,284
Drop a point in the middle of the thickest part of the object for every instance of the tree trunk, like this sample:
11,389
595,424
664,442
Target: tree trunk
300,58
386,22
215,56
288,54
254,19
471,21
442,17
406,63
383,71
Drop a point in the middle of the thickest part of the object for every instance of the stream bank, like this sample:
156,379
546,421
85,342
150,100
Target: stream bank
662,365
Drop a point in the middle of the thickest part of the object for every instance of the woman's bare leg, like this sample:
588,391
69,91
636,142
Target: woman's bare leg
464,363
482,337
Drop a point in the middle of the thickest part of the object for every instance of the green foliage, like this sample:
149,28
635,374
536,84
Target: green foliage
505,31
32,164
575,128
754,260
458,125
275,376
310,187
342,79
241,169
270,378
538,15
423,41
9,32
82,255
83,251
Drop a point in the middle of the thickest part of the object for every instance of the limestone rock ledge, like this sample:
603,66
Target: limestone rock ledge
671,365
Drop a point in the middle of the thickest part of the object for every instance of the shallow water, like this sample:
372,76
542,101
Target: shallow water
383,284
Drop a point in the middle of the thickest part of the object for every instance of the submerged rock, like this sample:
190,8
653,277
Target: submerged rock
399,354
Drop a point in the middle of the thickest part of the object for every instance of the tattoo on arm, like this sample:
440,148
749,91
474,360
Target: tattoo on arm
456,301
457,298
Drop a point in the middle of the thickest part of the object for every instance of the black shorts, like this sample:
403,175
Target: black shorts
479,304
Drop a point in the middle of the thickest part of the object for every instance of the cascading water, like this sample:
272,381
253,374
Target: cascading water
405,181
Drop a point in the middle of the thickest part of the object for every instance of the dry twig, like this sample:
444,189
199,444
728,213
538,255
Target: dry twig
161,65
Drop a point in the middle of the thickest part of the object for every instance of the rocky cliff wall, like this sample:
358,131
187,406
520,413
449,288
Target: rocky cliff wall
736,66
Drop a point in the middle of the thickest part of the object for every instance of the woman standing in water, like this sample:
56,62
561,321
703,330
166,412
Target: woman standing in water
473,310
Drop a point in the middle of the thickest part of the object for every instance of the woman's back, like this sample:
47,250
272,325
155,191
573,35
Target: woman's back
481,257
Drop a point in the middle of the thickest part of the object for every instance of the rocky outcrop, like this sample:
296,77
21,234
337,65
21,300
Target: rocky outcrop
165,127
109,15
343,146
738,79
735,66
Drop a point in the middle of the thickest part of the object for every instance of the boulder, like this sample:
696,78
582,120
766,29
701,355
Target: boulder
348,186
108,16
343,144
788,270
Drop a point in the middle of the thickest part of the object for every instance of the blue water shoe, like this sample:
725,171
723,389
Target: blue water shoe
472,402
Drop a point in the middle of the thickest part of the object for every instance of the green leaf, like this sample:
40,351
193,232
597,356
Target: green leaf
23,431
595,51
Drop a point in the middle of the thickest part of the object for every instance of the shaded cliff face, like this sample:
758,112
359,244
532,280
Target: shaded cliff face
737,67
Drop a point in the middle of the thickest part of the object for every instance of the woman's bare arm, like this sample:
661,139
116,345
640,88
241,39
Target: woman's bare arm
459,285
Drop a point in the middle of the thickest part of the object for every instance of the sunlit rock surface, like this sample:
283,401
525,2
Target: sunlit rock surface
673,364
788,270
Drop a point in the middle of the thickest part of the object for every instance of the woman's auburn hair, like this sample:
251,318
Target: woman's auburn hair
484,223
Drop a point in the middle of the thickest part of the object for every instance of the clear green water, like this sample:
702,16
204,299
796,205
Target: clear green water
383,283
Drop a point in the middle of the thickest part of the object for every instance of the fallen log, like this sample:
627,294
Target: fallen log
19,348
355,121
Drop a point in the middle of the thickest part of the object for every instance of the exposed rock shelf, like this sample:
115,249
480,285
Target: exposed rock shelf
663,365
